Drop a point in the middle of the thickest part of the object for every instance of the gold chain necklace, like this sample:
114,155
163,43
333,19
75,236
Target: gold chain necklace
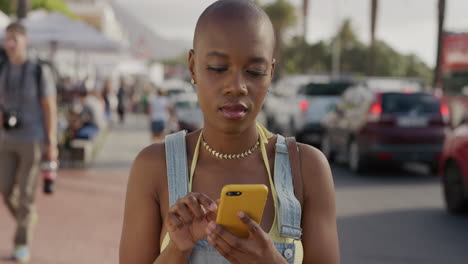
229,156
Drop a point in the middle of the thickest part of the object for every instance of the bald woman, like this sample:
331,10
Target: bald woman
174,187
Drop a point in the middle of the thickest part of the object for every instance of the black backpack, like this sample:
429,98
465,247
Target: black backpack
40,64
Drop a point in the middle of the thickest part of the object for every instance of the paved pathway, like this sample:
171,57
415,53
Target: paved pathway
82,222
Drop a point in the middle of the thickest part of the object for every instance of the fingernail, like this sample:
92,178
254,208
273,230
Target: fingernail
241,214
212,225
213,207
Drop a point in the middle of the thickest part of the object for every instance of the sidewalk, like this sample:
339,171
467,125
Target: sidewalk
81,222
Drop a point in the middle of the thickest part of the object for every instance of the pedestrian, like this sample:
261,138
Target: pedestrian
171,203
121,107
159,113
28,114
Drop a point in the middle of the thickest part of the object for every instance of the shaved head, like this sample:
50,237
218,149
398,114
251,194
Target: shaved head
243,11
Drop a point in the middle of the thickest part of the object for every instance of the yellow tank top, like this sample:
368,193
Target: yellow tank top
264,135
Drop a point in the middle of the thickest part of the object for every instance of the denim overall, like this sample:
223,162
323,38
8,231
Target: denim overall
288,207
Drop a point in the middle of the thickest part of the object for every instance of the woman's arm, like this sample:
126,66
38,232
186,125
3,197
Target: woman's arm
142,218
320,236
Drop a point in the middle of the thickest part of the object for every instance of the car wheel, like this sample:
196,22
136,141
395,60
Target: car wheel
354,158
455,199
327,149
270,124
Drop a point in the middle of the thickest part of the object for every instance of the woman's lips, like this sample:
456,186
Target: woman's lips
233,111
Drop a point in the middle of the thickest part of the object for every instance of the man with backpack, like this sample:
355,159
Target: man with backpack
28,132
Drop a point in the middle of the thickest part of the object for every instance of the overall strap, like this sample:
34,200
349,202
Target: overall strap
289,208
176,163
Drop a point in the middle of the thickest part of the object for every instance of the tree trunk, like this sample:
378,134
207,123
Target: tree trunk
437,82
371,62
278,55
305,16
22,10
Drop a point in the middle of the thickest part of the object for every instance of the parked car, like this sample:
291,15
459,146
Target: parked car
299,104
281,104
316,101
174,87
454,169
187,111
386,121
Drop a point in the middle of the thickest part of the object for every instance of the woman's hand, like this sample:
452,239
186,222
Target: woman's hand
257,248
188,219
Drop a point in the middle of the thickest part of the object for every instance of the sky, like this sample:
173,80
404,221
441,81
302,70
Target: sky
409,26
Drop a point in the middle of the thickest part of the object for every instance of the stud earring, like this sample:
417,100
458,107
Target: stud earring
193,81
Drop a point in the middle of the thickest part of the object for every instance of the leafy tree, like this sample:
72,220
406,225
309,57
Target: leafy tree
8,7
354,57
282,15
52,5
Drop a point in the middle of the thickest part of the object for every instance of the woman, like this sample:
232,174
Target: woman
169,216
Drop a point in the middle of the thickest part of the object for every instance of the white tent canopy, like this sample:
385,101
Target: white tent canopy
66,33
4,20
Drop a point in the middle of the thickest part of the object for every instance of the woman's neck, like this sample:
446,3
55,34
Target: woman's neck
230,143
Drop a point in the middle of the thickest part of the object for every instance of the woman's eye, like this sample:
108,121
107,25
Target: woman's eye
256,73
217,69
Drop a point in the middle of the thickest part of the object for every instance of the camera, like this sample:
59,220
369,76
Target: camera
11,120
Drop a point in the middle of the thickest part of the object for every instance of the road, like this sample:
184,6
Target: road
394,217
397,217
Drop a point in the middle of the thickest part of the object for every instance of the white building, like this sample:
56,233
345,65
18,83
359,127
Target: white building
100,14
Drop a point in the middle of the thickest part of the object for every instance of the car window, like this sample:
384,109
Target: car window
186,104
410,103
174,92
336,88
456,83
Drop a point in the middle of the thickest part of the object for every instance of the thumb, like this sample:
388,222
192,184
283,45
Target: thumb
255,231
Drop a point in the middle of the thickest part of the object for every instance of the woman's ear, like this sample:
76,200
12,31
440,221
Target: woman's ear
273,65
191,64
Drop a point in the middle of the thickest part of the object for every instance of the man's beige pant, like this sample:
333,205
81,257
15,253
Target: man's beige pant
19,168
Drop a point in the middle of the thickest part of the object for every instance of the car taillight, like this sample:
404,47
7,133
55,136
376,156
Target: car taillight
375,111
304,105
445,112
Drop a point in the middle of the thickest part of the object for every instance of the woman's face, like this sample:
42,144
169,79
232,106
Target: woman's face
232,64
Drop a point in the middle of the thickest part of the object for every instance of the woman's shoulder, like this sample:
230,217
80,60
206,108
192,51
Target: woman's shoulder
316,172
151,156
154,156
148,169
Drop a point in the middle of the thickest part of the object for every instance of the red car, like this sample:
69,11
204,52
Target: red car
387,122
454,169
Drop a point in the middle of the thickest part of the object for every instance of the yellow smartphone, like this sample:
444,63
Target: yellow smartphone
249,198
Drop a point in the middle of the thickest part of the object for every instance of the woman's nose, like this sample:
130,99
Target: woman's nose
236,85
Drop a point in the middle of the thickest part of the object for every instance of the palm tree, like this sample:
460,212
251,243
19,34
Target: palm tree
374,11
282,15
440,33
